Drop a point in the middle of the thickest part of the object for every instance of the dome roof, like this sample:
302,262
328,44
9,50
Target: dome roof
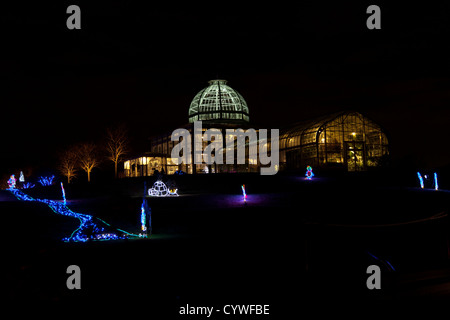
218,102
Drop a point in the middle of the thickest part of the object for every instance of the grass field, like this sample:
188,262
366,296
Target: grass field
292,238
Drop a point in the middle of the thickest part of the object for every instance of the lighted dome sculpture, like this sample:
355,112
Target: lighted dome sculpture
159,189
218,102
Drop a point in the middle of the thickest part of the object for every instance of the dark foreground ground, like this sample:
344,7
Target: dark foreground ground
296,245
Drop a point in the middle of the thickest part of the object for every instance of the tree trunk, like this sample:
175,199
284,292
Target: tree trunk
89,175
115,169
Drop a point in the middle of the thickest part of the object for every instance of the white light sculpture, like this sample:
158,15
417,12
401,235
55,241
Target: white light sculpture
159,189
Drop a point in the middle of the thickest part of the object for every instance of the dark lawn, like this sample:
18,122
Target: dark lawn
293,237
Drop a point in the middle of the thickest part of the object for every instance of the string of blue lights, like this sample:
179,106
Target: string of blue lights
90,228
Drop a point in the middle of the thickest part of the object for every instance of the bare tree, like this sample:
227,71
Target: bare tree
87,157
68,163
117,145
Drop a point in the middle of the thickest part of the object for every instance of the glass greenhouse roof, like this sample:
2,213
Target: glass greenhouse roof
218,101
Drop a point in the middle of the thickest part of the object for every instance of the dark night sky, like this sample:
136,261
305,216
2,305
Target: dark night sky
143,65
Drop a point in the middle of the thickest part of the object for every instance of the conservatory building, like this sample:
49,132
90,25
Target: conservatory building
345,140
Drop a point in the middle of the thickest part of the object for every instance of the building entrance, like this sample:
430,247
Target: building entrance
354,156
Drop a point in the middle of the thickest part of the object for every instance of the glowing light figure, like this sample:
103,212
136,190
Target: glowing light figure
309,174
28,185
22,177
420,179
436,187
46,181
12,182
143,218
159,189
244,194
63,193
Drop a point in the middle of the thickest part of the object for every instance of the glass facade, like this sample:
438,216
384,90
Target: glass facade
218,102
346,139
163,145
148,166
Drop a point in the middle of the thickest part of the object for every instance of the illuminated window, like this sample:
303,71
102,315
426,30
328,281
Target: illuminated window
346,139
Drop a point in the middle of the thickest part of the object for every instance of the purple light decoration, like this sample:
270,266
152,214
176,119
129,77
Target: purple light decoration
243,192
420,179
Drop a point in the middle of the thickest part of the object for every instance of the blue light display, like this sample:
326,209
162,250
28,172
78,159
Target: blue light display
420,179
143,217
63,193
90,228
309,174
46,181
436,187
28,185
12,182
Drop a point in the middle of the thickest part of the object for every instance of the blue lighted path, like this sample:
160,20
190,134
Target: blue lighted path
90,228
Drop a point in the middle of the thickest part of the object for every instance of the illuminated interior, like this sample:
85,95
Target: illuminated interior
148,166
345,139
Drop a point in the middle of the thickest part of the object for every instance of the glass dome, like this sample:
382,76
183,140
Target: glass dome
218,102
